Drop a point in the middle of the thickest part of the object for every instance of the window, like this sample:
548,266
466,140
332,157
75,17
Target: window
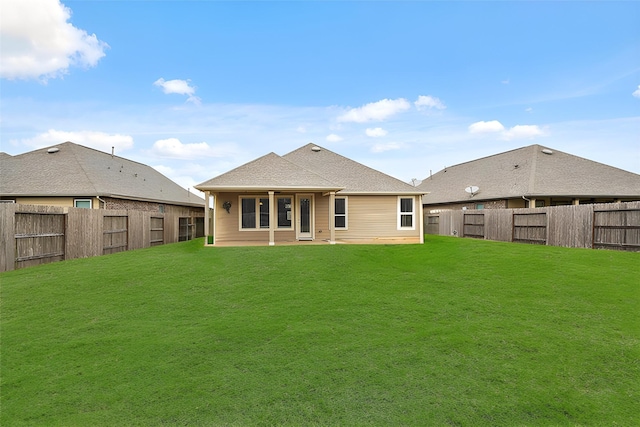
479,206
264,213
254,213
248,213
405,213
340,213
82,203
161,208
284,212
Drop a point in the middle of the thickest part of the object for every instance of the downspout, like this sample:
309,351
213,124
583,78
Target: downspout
103,201
528,200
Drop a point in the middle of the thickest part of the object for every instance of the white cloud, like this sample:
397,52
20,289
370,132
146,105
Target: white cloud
375,132
39,43
636,93
486,127
181,87
524,131
301,129
428,102
375,111
516,132
334,138
98,140
380,148
174,148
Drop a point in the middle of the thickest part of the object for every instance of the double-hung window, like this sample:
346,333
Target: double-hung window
340,213
254,213
406,213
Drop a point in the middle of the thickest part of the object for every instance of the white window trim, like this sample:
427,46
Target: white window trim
346,213
83,200
412,213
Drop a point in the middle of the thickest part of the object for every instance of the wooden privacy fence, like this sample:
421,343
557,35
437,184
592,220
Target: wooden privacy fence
32,235
607,225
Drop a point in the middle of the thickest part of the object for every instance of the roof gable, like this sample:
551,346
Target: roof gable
75,170
529,171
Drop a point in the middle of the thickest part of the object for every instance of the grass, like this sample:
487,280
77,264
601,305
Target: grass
453,332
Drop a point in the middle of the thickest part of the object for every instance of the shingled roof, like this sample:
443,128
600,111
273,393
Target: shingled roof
73,170
532,171
269,171
309,168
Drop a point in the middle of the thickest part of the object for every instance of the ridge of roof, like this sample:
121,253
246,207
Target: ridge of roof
270,170
534,170
355,177
74,169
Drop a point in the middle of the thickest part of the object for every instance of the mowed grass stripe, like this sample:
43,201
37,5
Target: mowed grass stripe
452,332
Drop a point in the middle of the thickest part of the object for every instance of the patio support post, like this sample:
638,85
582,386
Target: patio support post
421,219
332,220
207,216
272,219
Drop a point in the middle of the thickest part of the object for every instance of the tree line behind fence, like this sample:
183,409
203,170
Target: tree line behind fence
32,235
599,226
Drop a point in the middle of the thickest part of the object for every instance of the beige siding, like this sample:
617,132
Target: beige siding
376,217
369,218
227,225
65,202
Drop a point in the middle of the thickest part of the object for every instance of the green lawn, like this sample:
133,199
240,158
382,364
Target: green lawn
453,332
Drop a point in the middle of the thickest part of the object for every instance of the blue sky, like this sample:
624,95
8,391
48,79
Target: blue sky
196,88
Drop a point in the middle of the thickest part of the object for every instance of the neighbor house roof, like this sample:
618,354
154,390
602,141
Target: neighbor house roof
532,171
311,168
70,169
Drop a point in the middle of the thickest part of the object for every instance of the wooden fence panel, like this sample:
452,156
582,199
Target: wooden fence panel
498,224
139,229
157,231
570,226
7,236
84,233
473,225
617,229
114,234
39,238
530,228
451,223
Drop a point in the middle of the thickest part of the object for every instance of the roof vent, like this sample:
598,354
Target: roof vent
547,151
53,150
315,148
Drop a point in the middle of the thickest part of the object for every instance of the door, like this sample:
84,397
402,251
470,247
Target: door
305,217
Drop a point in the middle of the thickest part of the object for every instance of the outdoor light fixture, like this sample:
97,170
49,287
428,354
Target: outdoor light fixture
226,206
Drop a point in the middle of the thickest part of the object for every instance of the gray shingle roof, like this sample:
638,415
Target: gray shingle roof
270,171
353,176
75,170
529,172
309,167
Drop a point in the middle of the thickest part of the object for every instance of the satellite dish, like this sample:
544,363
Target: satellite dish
472,190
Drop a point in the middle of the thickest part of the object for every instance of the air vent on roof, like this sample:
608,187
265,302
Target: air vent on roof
315,148
547,151
53,150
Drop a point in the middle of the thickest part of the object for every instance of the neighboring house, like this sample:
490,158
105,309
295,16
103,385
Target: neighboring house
71,175
532,176
311,194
